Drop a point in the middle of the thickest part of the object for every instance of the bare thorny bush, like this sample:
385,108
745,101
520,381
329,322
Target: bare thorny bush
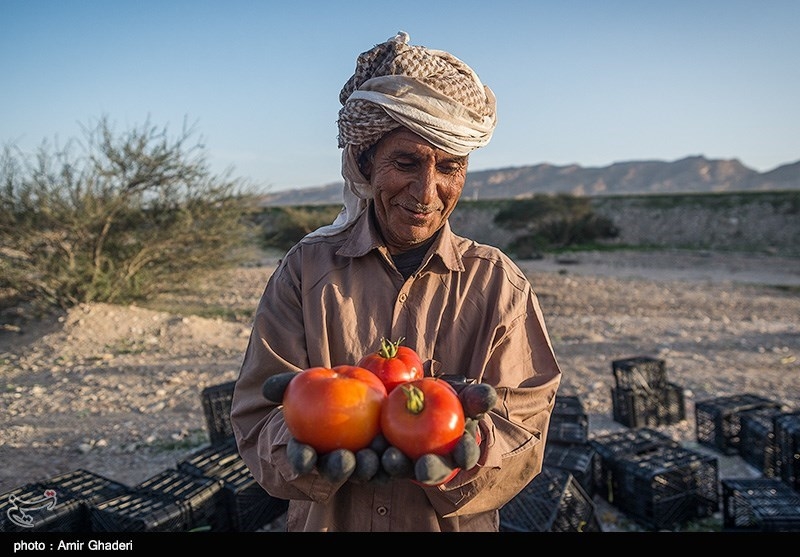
117,219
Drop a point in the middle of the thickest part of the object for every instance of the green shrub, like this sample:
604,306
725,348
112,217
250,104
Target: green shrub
283,227
117,220
552,222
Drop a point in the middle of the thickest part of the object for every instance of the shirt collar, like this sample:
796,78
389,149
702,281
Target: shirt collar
364,237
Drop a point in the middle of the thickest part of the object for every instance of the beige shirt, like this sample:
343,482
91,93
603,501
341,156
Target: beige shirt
468,309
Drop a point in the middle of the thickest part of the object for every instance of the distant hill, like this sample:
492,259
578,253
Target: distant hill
689,175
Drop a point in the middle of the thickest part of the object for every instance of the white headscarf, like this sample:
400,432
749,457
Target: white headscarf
430,92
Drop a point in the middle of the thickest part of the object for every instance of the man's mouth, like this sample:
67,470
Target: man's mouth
419,209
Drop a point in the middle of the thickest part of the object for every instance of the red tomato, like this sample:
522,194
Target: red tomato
334,408
423,416
393,364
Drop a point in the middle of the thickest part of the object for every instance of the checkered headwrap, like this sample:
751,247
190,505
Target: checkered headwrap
430,92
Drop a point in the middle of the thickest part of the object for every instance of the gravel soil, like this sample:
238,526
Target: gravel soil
116,390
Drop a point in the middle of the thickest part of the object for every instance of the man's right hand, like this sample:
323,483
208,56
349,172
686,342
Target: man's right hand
380,460
335,466
434,469
275,385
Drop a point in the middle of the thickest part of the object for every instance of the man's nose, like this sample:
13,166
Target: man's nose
424,186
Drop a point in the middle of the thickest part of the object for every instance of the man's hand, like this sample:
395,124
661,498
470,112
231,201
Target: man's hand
302,457
275,385
476,399
468,450
380,461
433,469
335,466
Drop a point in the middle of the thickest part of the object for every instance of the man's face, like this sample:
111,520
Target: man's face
415,185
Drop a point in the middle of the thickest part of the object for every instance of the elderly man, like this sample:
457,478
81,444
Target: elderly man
390,267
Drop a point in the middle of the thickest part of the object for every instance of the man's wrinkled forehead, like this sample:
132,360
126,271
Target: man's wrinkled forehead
402,142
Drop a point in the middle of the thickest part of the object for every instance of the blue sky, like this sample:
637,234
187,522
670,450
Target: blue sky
585,82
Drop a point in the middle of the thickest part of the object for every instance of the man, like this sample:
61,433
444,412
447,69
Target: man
390,267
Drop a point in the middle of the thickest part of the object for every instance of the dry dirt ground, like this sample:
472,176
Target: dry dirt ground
116,390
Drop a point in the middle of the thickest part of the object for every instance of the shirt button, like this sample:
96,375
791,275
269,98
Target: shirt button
382,511
402,297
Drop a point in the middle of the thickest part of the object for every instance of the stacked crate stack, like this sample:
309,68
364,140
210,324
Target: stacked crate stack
568,445
766,436
62,503
757,439
718,421
559,499
787,448
654,479
760,505
642,396
170,501
552,502
216,401
245,505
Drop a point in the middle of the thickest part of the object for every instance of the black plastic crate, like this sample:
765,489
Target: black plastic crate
172,501
246,507
552,502
640,372
576,459
718,420
570,407
787,448
58,504
217,409
759,504
757,439
569,423
612,447
648,408
565,431
666,487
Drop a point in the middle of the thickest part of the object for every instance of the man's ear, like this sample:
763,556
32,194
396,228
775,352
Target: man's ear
365,162
365,166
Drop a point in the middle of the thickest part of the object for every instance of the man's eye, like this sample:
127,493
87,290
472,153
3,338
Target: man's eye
450,169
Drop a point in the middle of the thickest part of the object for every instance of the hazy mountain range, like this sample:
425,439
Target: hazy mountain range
694,174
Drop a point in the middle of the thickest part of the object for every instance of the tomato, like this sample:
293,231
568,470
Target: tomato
393,363
423,416
334,408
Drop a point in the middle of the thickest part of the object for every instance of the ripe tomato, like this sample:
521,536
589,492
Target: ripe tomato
334,408
393,364
423,416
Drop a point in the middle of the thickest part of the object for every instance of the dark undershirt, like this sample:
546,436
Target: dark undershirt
409,261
